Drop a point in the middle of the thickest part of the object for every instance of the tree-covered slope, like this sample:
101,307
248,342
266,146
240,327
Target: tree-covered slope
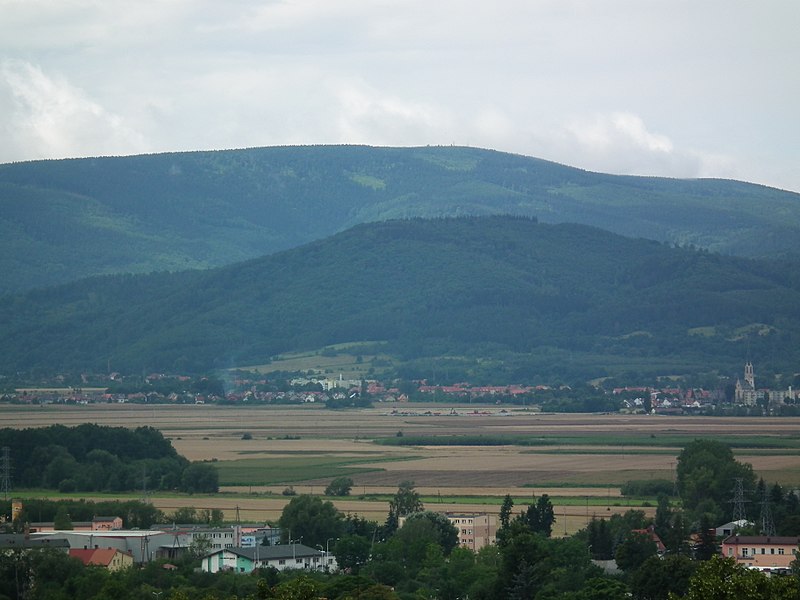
67,219
534,298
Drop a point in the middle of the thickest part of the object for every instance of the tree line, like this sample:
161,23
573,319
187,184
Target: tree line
99,458
415,553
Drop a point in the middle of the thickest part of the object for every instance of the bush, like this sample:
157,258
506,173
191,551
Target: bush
66,486
647,487
340,486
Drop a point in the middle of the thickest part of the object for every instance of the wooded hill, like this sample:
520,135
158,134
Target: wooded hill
485,299
67,219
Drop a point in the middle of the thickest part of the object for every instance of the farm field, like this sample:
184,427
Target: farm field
580,460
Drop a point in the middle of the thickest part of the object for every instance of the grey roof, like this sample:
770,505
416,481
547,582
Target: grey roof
19,540
762,539
273,552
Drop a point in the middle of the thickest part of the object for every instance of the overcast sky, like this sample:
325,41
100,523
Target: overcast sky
680,88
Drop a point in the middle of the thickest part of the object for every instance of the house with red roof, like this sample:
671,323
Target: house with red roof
108,558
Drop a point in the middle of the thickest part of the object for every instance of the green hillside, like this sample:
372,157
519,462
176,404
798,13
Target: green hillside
499,298
67,219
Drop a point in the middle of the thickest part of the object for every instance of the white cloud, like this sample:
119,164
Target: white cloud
657,87
50,118
365,115
606,132
617,142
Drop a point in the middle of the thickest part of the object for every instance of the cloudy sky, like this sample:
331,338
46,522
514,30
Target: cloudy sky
680,88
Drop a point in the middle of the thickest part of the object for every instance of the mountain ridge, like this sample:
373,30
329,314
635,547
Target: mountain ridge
67,219
506,297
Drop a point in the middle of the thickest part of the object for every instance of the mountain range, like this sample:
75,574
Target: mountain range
62,220
497,298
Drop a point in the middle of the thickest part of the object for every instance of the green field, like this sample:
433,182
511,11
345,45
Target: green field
353,361
272,471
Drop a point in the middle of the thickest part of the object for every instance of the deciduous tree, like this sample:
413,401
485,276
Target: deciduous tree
340,486
313,519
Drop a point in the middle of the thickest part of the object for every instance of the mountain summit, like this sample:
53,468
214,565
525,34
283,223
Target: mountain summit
67,219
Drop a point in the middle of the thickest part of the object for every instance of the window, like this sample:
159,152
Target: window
772,550
762,551
299,561
780,551
281,561
744,551
730,551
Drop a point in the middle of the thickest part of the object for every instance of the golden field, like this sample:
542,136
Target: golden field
306,446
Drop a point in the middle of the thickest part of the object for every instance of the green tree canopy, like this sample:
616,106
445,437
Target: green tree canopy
722,579
351,551
505,511
405,502
200,477
634,550
706,474
312,519
540,516
340,486
656,578
62,519
447,533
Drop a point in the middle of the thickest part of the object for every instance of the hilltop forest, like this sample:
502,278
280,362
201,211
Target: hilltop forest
64,220
491,298
96,458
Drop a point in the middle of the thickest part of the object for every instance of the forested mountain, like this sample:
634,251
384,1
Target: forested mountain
504,298
67,219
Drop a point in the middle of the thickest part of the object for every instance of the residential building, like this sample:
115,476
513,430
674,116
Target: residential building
282,558
474,530
108,558
761,552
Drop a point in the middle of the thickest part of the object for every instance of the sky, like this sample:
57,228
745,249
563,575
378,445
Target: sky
676,88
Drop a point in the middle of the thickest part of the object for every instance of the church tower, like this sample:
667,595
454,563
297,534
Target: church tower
749,376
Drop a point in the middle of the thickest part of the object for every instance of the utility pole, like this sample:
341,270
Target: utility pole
5,471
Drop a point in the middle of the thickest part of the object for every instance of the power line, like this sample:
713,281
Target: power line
738,500
767,523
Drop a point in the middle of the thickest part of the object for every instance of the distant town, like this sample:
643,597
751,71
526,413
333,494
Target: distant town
743,397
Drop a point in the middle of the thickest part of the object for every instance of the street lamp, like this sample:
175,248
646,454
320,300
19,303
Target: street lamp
294,547
327,552
321,549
